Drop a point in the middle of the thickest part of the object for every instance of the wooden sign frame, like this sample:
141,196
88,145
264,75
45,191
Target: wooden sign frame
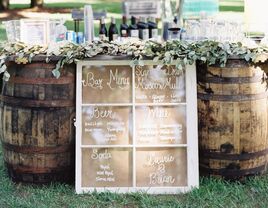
191,144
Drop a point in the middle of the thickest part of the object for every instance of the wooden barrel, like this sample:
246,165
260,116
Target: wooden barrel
232,111
37,123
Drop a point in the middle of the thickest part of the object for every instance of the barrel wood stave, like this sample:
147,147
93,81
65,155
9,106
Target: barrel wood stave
37,122
232,108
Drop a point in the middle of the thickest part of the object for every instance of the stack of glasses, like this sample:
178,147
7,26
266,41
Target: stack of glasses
218,30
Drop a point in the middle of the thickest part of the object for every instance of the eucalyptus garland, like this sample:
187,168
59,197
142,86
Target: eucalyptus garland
179,52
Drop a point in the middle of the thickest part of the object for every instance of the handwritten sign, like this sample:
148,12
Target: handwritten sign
158,84
112,167
136,127
161,125
106,125
107,85
161,167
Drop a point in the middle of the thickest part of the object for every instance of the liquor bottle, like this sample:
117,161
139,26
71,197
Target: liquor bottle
113,32
174,30
133,28
143,29
153,31
124,28
103,30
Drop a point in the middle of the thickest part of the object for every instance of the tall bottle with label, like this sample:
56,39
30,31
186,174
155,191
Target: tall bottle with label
153,30
143,29
133,30
113,31
124,28
103,31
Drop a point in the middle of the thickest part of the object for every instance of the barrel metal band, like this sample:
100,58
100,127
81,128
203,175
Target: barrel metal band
229,98
36,103
44,81
209,154
37,170
37,150
229,80
233,173
39,66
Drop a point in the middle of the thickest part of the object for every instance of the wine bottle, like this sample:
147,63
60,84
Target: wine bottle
143,29
133,28
153,31
124,28
113,32
103,30
174,30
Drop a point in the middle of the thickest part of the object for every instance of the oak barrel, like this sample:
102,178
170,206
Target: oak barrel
232,111
37,112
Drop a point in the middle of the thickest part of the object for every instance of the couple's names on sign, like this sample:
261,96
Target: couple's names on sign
133,128
161,167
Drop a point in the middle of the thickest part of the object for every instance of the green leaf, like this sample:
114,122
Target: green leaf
3,68
179,65
247,57
30,57
134,63
6,76
56,73
185,61
204,59
156,59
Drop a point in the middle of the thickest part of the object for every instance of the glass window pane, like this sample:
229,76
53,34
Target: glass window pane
161,125
157,167
106,84
106,167
159,84
106,125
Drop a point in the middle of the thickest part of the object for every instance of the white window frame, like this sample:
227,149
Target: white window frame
191,126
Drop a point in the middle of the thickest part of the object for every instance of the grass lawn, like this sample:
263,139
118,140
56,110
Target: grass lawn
212,193
111,7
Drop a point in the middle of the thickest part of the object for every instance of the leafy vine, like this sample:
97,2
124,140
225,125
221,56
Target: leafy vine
176,52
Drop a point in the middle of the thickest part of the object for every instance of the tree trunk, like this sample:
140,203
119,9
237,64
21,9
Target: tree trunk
4,4
37,3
